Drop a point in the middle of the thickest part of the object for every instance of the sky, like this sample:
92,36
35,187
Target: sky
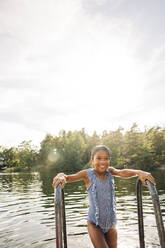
68,65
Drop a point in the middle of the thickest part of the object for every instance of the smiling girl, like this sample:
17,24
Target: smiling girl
100,187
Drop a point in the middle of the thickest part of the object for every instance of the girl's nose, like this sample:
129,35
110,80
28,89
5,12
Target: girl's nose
102,161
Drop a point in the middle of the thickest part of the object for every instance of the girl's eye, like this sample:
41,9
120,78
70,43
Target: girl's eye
105,159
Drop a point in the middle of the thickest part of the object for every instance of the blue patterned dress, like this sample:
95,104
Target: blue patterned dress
102,209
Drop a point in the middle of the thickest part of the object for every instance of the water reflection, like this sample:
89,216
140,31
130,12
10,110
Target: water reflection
17,181
27,210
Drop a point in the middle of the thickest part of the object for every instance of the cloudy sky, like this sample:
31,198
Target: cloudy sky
73,64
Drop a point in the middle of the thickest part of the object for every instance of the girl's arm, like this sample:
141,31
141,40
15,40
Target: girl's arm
128,173
63,178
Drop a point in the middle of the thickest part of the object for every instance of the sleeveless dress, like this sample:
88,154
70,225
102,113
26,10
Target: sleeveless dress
102,203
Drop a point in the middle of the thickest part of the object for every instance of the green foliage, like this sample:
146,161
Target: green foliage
26,155
9,156
22,158
114,140
63,152
70,151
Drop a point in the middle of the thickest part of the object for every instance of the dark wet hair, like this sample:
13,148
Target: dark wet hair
101,148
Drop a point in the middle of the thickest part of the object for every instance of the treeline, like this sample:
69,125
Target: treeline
22,158
70,151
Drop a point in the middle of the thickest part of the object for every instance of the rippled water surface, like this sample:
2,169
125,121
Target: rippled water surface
27,211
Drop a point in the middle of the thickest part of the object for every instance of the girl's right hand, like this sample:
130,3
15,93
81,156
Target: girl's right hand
60,178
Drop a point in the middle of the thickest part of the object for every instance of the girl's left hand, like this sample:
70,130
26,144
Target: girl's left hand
143,176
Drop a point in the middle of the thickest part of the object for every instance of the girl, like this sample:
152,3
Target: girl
100,186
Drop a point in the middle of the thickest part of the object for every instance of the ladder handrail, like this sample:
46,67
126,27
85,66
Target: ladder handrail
61,237
157,211
140,213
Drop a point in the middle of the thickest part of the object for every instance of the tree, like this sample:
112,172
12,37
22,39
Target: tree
70,150
27,155
47,150
114,140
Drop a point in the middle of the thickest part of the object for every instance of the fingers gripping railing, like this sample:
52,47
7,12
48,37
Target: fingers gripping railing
61,236
157,211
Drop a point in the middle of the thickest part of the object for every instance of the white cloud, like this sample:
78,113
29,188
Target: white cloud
69,65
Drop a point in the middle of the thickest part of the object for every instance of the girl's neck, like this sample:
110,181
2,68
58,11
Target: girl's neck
100,174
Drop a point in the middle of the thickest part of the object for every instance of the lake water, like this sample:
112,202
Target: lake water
27,211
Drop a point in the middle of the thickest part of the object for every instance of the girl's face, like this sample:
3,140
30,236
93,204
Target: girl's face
101,161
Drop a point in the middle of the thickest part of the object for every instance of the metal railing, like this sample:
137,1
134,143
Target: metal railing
157,211
61,236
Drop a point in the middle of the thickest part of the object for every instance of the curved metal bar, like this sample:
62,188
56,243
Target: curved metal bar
158,216
140,214
61,236
58,214
64,220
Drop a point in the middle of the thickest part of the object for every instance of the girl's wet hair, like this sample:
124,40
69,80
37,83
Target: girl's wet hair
101,148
